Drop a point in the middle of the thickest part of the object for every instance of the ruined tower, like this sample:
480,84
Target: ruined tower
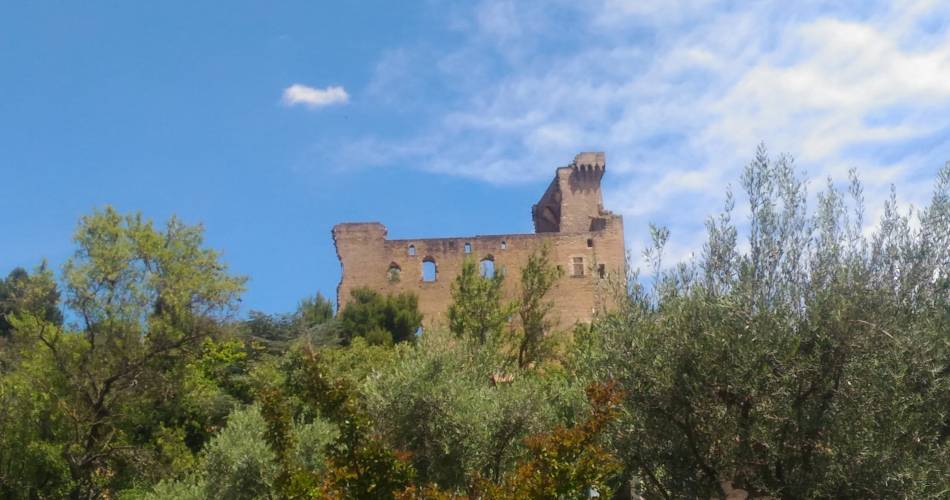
586,242
573,202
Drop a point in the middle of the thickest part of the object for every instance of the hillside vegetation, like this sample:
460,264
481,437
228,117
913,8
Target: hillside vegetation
800,355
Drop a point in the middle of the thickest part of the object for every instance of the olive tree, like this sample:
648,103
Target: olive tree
816,363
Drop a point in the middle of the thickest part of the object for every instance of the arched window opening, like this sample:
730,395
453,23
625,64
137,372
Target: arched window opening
504,245
468,248
412,250
602,271
393,273
429,270
590,243
578,266
487,267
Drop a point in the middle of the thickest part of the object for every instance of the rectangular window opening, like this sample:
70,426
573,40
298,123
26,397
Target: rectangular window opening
578,266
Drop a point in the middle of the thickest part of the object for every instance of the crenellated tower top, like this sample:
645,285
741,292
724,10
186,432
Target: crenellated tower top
573,201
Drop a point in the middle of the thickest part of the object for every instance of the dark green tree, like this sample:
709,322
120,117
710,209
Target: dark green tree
270,333
380,319
314,311
274,333
314,318
36,294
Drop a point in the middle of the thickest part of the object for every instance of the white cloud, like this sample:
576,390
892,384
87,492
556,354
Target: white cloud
821,96
679,94
313,97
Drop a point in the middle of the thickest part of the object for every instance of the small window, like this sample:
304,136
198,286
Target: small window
590,243
487,267
602,271
393,273
412,250
429,270
468,248
578,266
504,245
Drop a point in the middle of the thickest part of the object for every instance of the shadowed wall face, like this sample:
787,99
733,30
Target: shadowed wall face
585,241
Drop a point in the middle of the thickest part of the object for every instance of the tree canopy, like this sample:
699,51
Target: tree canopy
381,319
804,353
23,293
478,309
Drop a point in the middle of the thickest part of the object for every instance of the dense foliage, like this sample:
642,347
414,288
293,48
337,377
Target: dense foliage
816,364
381,319
478,310
808,360
36,293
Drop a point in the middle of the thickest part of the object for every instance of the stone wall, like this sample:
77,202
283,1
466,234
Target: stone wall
581,230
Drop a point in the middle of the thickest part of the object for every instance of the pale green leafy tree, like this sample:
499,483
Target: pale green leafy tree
143,299
478,310
535,309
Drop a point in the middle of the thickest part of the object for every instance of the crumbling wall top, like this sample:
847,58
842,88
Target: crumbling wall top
359,229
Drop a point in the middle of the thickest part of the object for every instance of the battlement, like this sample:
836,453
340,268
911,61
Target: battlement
590,160
573,201
587,171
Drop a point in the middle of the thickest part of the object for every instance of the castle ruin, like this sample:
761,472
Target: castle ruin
585,241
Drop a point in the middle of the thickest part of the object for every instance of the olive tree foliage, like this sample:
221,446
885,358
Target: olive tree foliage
239,463
478,309
816,363
441,401
143,299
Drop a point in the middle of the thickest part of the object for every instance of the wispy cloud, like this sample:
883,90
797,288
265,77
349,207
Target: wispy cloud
310,97
679,94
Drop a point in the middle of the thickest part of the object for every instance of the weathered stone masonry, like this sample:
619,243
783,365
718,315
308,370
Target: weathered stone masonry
586,241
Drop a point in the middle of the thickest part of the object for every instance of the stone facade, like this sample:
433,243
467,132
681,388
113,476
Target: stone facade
586,241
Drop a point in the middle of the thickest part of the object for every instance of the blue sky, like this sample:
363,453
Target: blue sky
270,122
